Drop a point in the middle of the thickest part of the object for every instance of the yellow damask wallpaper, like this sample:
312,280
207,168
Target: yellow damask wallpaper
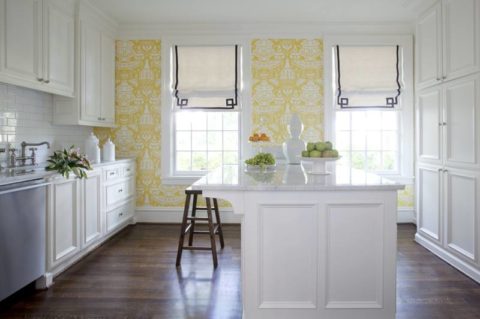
287,77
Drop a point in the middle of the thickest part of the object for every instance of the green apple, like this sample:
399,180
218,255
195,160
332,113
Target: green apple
328,145
310,146
315,154
320,146
305,154
330,153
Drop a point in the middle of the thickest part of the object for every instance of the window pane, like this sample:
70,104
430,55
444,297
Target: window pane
215,141
343,121
183,161
199,121
214,160
230,158
230,141
358,141
374,120
199,141
374,141
390,141
183,141
374,161
358,120
230,121
389,161
390,120
345,159
183,121
343,141
199,161
358,160
215,121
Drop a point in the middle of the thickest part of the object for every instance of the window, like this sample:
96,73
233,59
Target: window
372,103
202,116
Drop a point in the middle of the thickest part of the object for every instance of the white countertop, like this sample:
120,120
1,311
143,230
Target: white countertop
292,178
38,171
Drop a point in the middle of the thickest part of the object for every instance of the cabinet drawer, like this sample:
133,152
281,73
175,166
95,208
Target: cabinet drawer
118,192
128,170
119,215
112,173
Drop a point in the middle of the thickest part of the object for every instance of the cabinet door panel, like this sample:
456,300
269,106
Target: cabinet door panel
429,47
22,37
461,209
461,37
92,220
59,47
428,122
64,220
108,79
429,211
90,73
461,129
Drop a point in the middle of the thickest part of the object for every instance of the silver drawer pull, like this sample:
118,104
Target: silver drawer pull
121,214
112,173
128,169
120,190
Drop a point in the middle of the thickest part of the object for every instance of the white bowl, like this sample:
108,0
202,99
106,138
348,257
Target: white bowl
319,164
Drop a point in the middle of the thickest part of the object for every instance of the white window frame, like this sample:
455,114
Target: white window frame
406,146
168,159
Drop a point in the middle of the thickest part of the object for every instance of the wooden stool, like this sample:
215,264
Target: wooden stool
188,225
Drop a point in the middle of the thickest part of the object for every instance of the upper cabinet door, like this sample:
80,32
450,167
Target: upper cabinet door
91,42
429,48
59,46
429,124
462,118
21,40
108,79
461,44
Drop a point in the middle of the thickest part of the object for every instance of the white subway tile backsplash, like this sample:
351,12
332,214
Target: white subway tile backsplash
26,115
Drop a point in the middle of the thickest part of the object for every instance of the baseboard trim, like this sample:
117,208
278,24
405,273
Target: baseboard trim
448,257
170,215
174,215
406,215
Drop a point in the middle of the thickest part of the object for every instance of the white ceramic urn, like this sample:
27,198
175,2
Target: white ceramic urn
293,147
109,151
92,150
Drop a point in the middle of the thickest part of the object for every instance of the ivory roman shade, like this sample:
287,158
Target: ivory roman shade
206,77
368,76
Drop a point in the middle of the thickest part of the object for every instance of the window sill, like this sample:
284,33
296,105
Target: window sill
180,180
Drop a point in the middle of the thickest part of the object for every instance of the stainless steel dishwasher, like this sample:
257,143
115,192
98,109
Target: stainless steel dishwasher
22,234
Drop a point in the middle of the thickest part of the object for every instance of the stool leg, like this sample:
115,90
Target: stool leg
212,234
194,213
219,223
182,232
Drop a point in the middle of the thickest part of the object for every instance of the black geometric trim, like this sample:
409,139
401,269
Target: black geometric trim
390,102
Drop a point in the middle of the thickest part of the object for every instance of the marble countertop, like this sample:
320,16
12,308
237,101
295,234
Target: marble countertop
293,178
38,171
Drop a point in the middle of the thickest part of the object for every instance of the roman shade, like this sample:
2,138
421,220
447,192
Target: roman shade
368,76
206,77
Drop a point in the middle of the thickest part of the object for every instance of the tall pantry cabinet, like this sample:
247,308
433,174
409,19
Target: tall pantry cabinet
448,133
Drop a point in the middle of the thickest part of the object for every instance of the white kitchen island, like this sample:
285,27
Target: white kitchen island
313,246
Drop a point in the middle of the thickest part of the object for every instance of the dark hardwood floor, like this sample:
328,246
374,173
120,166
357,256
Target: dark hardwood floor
133,276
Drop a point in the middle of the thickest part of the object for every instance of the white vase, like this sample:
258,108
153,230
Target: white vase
109,151
293,147
92,151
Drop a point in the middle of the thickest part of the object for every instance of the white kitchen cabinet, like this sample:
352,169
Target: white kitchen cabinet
462,192
94,102
429,124
37,44
63,220
429,202
92,207
448,41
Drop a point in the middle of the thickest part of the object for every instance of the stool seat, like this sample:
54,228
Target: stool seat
189,222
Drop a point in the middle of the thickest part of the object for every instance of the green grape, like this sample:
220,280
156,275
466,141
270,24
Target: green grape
261,159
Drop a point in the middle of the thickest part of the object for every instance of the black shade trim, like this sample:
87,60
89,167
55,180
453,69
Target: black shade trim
390,102
230,103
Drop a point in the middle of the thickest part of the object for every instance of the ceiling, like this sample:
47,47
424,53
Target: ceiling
259,11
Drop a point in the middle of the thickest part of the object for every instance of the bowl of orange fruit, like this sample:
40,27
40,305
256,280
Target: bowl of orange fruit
259,137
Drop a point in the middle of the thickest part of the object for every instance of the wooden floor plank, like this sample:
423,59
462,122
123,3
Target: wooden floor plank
133,275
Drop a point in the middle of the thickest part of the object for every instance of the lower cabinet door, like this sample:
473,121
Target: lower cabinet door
428,202
63,220
462,193
92,207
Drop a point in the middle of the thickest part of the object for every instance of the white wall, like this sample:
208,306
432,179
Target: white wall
26,115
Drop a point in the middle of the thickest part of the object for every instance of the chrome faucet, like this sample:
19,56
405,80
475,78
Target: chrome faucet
23,157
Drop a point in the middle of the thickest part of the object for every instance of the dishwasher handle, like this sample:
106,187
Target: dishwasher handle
15,187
